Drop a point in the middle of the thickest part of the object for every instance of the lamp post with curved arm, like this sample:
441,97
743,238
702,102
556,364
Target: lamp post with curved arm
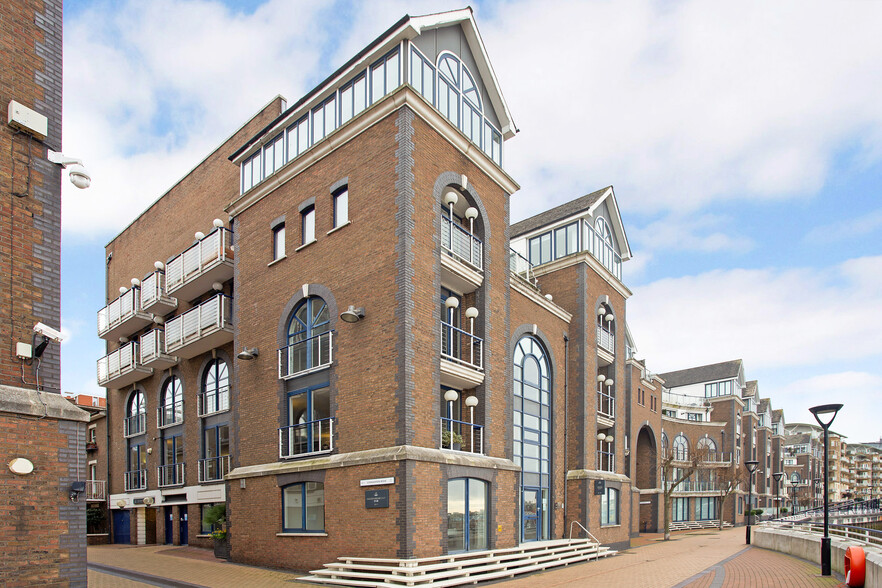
826,410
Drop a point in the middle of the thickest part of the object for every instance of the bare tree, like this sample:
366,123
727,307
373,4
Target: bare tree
728,480
687,463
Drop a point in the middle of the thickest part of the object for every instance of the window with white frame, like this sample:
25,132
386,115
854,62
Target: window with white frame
279,241
681,447
308,225
341,206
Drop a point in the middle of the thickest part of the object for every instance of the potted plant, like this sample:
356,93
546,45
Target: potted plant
216,518
451,439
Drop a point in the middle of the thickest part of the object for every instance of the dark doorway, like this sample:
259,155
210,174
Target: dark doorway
184,538
150,516
121,530
169,525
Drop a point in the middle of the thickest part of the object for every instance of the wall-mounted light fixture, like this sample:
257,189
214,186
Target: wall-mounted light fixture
352,314
21,466
76,489
248,354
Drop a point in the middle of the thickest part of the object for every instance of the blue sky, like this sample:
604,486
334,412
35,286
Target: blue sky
744,142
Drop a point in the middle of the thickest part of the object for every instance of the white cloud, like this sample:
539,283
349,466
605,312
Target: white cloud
847,229
770,318
707,233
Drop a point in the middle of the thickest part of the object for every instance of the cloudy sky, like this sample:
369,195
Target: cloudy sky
744,142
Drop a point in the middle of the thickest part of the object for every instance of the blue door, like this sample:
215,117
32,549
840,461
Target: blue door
184,539
121,531
169,525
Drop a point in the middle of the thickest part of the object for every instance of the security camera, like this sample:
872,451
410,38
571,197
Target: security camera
79,177
49,332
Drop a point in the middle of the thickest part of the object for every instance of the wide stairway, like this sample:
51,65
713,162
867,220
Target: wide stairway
459,569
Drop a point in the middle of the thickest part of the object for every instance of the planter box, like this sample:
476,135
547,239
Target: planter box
222,548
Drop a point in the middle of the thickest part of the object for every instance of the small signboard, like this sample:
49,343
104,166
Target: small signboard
376,498
377,482
599,487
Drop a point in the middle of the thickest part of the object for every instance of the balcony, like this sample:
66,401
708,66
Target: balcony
307,356
462,436
606,404
170,475
153,295
213,402
462,364
520,266
91,446
136,480
121,368
170,415
304,439
96,490
606,339
200,329
123,316
718,458
696,486
213,469
153,353
461,258
134,425
209,260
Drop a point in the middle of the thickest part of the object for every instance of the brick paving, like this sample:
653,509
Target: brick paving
692,559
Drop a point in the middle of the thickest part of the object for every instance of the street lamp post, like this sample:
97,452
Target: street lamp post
777,476
751,468
826,410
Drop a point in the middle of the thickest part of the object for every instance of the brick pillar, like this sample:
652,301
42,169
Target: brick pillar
176,525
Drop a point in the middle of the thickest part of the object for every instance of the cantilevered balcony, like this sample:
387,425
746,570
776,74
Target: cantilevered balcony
461,258
153,353
134,425
154,298
213,469
307,356
520,266
122,367
308,438
170,475
462,436
96,490
136,480
201,328
462,365
207,261
123,316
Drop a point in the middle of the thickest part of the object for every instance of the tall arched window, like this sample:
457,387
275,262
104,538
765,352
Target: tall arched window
709,448
681,447
603,230
215,396
136,408
458,96
136,458
467,520
532,434
309,337
171,403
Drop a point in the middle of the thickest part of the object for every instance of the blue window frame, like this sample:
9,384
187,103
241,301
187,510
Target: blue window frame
353,98
310,320
609,507
680,510
467,520
303,507
309,415
298,137
385,75
172,402
541,249
705,508
566,240
215,388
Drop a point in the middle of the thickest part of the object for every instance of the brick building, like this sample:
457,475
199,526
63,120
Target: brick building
97,461
42,434
357,352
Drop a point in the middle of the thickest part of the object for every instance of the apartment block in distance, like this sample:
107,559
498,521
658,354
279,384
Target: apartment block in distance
331,326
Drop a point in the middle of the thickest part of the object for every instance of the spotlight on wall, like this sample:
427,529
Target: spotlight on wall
76,489
352,314
248,354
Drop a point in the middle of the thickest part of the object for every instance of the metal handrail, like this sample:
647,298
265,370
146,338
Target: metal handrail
455,427
216,400
119,310
312,437
461,243
521,266
170,474
606,403
451,347
307,356
96,489
587,532
205,253
219,464
214,313
136,480
118,362
135,424
170,414
606,339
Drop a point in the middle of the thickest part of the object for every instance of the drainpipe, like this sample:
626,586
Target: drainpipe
566,421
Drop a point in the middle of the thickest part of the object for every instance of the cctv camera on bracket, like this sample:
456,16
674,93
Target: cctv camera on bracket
79,177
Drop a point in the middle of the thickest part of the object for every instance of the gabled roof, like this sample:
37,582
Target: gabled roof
705,373
582,205
408,28
764,404
797,438
750,389
777,415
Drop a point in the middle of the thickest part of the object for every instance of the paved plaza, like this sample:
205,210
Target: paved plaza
692,559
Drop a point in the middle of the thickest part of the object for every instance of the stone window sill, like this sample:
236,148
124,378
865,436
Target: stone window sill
301,534
335,229
304,246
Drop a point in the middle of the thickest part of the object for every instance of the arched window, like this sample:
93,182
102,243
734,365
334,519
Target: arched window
136,408
603,230
532,429
309,338
664,443
171,403
467,520
303,507
794,478
215,396
710,448
458,96
681,447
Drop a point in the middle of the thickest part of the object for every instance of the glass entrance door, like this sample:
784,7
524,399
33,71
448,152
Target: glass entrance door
532,514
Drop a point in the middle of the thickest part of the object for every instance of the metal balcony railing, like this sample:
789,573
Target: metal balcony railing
152,346
153,294
96,490
306,356
206,253
521,266
170,414
601,250
213,401
136,480
119,363
463,245
461,347
306,438
462,436
695,486
125,307
606,339
134,425
210,316
606,402
170,475
213,469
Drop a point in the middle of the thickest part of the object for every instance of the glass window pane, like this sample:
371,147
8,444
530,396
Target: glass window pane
341,208
477,514
377,82
321,403
315,506
303,135
318,124
309,226
345,104
293,498
360,94
456,515
393,69
330,115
